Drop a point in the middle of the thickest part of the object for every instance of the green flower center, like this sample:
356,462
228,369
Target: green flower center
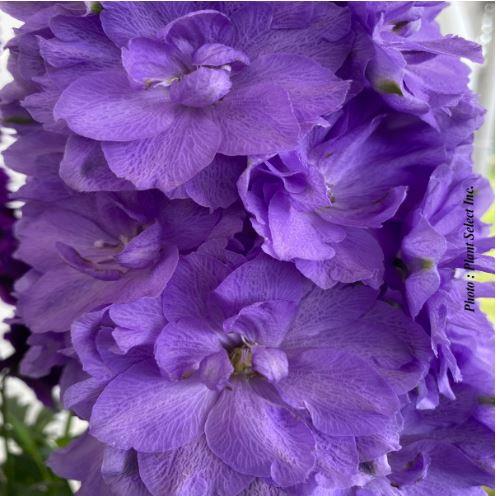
241,359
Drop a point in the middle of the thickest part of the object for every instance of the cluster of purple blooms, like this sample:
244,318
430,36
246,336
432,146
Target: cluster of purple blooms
244,227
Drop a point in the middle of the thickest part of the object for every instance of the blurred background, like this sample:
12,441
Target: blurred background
469,19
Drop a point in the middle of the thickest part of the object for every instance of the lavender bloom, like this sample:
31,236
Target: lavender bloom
462,342
319,206
109,471
250,355
26,64
416,69
102,248
432,250
436,239
244,227
39,372
191,84
448,450
47,372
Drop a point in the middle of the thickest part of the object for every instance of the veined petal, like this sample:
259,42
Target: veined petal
170,158
103,106
257,119
343,395
258,438
140,409
179,472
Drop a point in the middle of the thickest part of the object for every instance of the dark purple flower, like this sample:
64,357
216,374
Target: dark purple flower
39,371
10,269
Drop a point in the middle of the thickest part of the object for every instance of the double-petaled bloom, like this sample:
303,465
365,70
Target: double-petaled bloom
244,227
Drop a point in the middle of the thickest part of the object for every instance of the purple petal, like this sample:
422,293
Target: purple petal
215,186
120,470
103,106
170,158
182,345
424,242
343,395
260,279
297,233
84,338
186,296
168,414
78,40
81,396
188,225
448,45
421,285
386,439
273,28
217,55
265,323
195,29
201,88
271,363
84,167
58,297
85,266
313,90
179,472
256,437
143,250
337,461
256,120
394,346
138,322
148,61
321,311
216,369
262,488
357,258
126,20
66,462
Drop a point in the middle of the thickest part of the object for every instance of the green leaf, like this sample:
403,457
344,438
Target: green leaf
24,472
23,436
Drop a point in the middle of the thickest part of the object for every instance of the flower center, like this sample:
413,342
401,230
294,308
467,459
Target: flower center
241,359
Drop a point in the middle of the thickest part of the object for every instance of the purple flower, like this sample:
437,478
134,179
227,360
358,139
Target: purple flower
449,449
320,206
35,360
436,241
245,233
462,342
414,67
104,469
102,248
196,85
257,360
